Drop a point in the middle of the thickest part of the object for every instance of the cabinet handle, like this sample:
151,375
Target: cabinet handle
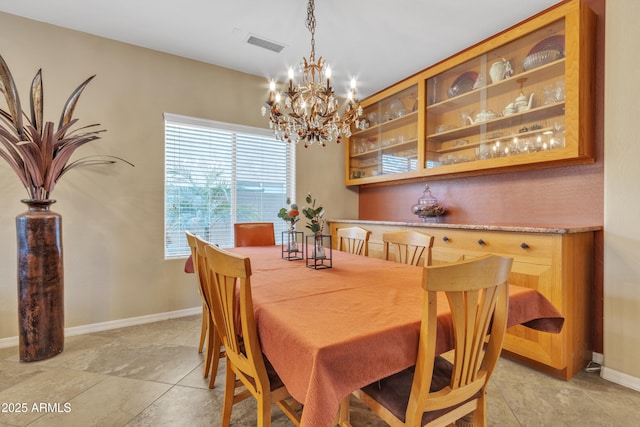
481,242
523,245
445,238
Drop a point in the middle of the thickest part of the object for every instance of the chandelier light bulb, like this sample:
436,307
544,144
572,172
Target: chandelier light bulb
290,73
353,83
278,97
272,85
327,72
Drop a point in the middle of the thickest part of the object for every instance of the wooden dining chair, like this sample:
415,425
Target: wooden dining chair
229,288
436,392
409,247
191,241
254,234
207,330
354,240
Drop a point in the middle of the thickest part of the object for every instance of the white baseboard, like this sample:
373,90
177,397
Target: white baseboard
620,378
8,342
597,358
608,374
114,324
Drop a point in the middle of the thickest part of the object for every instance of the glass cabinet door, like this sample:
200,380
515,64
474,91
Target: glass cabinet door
385,141
519,100
506,106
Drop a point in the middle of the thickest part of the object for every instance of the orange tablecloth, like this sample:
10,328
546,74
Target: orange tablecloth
329,332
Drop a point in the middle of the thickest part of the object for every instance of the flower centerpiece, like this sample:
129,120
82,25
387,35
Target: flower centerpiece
315,215
290,216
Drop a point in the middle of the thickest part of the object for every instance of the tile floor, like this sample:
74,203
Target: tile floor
151,375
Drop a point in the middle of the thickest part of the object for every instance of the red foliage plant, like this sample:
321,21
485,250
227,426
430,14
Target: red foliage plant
38,153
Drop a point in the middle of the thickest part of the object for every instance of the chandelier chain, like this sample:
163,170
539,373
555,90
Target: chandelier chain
311,26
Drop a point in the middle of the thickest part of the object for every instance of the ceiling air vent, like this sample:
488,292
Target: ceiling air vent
266,44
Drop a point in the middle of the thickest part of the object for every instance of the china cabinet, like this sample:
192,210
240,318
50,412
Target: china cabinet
518,100
385,143
557,262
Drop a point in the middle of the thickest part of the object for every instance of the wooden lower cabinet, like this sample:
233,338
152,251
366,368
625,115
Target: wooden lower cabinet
557,262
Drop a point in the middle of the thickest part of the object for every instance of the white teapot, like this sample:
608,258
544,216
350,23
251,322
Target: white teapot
523,103
483,116
509,109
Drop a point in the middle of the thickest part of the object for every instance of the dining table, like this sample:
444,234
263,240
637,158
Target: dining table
329,332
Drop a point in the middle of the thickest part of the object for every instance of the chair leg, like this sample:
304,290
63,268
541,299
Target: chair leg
216,355
476,418
212,352
344,419
466,421
479,416
229,391
264,412
203,327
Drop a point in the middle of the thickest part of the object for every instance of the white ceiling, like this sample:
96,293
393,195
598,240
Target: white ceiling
378,41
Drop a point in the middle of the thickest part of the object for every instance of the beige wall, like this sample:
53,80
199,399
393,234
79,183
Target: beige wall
321,172
113,216
622,195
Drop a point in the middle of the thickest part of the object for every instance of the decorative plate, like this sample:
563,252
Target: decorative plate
463,84
550,43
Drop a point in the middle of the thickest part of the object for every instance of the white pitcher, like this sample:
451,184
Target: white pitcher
496,71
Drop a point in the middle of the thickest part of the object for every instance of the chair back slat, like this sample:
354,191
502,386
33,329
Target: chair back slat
437,391
477,292
408,247
192,241
228,280
229,285
354,240
208,329
197,255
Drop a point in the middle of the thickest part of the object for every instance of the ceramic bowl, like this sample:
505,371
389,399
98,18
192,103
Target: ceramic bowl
540,58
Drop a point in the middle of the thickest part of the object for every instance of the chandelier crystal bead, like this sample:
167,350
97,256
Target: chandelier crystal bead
310,111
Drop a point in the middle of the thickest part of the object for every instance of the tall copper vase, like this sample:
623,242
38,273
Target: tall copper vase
40,282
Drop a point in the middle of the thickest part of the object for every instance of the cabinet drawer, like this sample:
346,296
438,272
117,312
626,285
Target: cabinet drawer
524,246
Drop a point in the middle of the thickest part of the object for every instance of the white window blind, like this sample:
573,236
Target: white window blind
217,174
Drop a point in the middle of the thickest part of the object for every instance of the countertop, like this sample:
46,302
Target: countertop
520,228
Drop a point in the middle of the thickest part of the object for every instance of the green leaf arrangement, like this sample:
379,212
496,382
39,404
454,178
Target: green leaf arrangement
314,215
38,153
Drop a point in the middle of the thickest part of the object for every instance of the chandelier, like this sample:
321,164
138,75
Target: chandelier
309,112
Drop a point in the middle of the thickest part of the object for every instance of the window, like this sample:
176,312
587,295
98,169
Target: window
217,174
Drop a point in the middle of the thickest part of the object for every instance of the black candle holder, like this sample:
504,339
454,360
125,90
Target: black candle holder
292,245
319,251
